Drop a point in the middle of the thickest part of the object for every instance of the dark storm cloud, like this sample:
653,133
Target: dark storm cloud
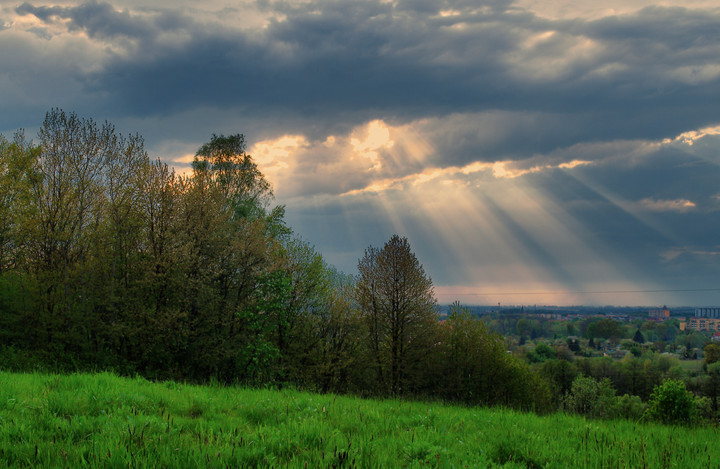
99,20
358,59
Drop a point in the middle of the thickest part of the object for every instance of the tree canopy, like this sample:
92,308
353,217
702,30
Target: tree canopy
397,300
111,260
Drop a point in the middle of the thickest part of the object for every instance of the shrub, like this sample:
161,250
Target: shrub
590,397
629,407
672,403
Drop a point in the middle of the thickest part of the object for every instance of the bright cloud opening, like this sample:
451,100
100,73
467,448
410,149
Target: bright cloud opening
376,137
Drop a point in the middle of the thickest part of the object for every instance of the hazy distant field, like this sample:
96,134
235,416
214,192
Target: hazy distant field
105,421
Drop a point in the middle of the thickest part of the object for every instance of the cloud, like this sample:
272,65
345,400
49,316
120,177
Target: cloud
677,205
98,20
554,142
377,156
692,136
406,62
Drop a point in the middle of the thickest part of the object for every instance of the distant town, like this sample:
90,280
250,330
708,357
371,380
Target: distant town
689,317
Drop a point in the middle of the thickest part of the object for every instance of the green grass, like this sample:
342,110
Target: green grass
105,421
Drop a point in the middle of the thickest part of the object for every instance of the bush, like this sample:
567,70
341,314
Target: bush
672,403
590,398
629,407
541,353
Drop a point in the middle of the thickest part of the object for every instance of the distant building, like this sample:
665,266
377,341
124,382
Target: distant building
715,337
701,324
707,313
659,314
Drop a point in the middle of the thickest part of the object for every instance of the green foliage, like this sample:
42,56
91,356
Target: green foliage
541,353
561,374
397,300
475,368
109,260
573,345
712,353
629,407
672,403
223,163
590,398
711,385
605,329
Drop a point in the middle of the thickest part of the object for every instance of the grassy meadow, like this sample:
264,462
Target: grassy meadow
101,420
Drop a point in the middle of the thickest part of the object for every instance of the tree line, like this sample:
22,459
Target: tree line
111,260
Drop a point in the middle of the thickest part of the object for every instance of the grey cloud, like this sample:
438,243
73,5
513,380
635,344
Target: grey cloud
360,59
99,20
43,13
669,30
42,33
591,195
332,59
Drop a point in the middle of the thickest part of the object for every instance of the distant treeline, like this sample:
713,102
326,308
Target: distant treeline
109,260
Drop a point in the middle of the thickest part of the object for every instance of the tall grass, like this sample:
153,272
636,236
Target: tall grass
105,421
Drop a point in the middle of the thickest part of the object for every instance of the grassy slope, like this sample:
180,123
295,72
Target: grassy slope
106,421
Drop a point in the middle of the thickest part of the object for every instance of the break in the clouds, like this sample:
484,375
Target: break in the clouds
523,147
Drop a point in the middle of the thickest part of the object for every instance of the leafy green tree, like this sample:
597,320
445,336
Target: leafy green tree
574,345
475,368
472,356
524,327
16,163
672,403
78,232
712,353
604,329
337,360
590,397
629,407
224,161
397,299
230,257
638,337
296,321
711,386
17,157
541,353
561,374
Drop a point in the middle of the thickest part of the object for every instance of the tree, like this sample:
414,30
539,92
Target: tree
560,373
231,257
712,353
605,329
590,397
336,360
82,195
638,337
296,321
573,344
672,403
476,369
16,161
224,162
397,301
541,353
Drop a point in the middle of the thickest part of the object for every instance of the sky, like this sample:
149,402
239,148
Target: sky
554,152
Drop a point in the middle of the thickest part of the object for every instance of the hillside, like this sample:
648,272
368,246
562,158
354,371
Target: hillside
103,420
